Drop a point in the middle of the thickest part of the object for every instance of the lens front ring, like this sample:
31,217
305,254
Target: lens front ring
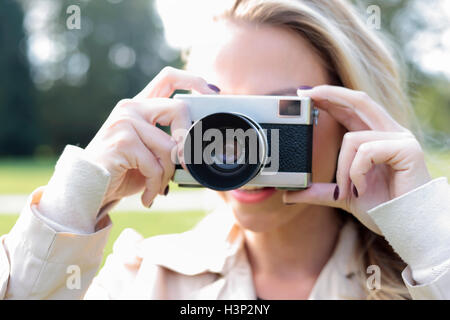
225,177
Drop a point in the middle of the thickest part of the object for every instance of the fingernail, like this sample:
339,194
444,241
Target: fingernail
305,88
166,190
150,204
355,191
336,193
213,87
289,204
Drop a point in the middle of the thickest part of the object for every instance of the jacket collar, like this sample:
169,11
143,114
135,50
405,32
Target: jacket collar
216,245
209,247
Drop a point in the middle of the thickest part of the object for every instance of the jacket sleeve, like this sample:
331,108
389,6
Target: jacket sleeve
417,226
56,246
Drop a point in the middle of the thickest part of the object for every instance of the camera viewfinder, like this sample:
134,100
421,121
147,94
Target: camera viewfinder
289,108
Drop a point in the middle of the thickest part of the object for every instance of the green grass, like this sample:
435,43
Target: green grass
439,164
22,176
148,224
6,222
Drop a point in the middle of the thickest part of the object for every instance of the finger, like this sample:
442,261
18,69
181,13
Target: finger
150,168
324,194
163,111
390,152
345,116
367,110
350,144
161,145
317,194
171,79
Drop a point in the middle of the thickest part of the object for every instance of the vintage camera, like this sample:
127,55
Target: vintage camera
260,141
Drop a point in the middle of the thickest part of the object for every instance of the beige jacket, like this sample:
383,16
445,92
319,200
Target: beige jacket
209,262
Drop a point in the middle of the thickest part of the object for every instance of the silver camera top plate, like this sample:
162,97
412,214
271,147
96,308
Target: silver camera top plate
263,109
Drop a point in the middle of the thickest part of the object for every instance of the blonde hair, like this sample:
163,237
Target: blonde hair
356,58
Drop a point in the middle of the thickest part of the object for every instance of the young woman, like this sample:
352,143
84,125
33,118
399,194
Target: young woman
372,213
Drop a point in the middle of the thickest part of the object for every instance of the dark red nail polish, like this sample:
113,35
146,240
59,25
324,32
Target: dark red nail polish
213,87
166,190
355,191
336,193
305,88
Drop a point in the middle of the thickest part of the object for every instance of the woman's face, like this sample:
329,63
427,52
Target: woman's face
261,60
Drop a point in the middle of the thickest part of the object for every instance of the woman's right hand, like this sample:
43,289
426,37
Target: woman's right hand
136,153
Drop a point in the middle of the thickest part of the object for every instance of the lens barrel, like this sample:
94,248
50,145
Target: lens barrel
224,151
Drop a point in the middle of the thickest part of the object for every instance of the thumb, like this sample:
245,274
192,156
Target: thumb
324,194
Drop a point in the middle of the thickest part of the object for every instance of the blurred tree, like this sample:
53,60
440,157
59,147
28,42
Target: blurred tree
402,21
18,117
82,73
119,48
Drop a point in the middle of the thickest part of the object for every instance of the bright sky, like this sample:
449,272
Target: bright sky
433,48
430,50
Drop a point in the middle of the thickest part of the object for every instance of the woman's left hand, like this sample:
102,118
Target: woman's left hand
379,159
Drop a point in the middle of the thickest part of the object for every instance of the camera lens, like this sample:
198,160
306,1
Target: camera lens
223,151
230,156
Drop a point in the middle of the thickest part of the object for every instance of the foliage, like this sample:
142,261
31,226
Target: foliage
401,22
63,96
19,132
119,48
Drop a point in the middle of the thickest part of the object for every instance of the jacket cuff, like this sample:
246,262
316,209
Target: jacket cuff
417,226
39,257
438,288
74,194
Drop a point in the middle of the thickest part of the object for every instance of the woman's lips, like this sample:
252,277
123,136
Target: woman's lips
252,196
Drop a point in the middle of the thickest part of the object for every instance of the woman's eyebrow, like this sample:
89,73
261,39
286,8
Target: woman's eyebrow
283,92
